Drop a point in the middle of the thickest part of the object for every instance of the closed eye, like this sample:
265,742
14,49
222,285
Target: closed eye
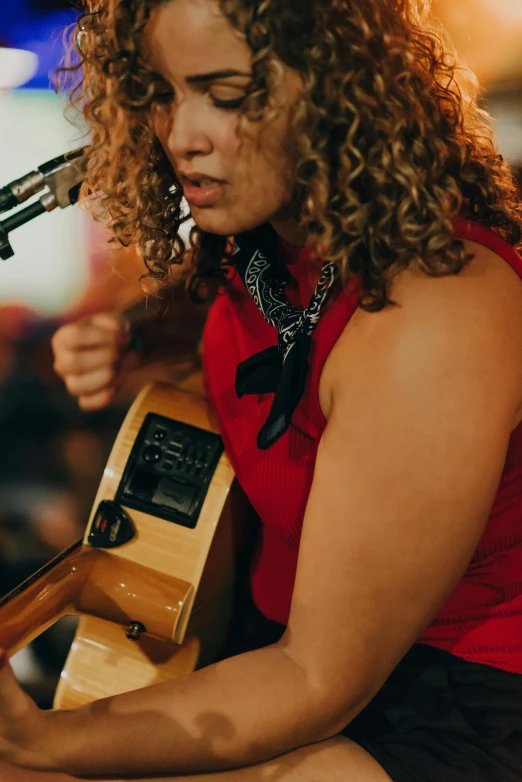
223,96
166,97
228,104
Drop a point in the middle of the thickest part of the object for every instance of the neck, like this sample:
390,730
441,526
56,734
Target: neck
290,231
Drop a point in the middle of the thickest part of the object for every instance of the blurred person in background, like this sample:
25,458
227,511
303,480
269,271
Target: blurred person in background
51,461
363,361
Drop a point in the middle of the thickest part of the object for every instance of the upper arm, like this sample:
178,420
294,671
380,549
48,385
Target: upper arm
423,397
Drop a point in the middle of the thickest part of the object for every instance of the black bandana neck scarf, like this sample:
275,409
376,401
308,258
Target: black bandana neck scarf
280,369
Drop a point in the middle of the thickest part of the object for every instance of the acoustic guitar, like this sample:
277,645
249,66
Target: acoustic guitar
153,577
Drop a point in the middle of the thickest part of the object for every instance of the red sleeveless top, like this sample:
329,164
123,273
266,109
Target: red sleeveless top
482,619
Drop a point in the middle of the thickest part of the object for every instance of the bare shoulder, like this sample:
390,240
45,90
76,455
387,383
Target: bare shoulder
421,400
472,321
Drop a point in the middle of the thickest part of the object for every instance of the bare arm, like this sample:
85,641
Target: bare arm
421,404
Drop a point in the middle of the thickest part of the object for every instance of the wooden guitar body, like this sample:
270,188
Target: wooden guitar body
153,578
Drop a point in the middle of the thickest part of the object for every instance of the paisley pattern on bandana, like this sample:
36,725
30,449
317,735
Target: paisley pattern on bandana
280,370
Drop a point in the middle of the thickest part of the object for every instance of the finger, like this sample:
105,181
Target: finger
86,334
110,321
84,385
80,362
91,402
13,699
77,336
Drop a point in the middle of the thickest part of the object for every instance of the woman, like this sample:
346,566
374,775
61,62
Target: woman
380,442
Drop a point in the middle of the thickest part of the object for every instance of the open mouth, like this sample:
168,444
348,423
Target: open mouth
205,183
202,192
201,183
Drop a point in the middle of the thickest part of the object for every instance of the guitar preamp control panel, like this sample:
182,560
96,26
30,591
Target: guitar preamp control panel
169,470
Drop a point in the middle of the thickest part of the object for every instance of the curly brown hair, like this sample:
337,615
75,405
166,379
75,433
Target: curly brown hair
390,147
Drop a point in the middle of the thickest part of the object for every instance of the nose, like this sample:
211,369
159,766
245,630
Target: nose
188,133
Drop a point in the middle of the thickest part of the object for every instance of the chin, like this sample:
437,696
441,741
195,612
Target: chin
224,222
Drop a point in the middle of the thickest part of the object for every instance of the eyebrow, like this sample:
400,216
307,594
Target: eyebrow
203,78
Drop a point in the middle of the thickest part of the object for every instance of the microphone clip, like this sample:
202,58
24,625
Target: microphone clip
63,176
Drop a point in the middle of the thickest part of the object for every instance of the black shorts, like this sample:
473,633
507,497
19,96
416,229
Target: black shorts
439,718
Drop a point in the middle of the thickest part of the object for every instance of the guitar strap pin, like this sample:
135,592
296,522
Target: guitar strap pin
135,630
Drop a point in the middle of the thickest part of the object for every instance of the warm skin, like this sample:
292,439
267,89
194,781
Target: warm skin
190,38
404,370
92,355
436,386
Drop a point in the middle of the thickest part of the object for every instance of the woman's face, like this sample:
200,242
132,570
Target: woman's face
233,182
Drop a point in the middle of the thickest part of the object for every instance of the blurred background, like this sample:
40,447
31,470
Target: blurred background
51,454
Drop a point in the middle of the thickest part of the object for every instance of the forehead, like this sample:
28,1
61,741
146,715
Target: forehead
187,37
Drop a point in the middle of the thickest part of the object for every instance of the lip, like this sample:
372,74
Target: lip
202,196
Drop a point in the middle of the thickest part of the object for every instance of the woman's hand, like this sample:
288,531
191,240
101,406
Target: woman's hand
23,725
92,355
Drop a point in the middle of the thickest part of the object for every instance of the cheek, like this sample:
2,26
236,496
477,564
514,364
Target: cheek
226,141
271,172
264,158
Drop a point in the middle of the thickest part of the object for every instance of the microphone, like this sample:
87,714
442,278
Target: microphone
62,175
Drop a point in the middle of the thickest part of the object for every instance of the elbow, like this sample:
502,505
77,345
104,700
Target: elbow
339,723
333,699
337,716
